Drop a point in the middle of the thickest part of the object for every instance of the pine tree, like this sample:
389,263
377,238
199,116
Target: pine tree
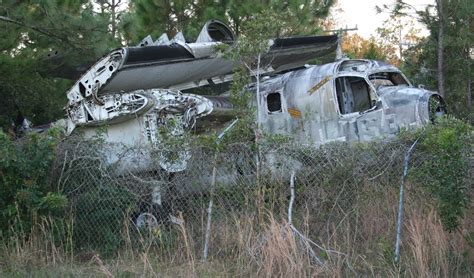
155,17
32,30
442,61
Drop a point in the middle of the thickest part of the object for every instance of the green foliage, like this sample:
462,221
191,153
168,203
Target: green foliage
71,27
240,96
164,16
445,174
154,17
25,188
421,59
356,47
243,131
374,53
24,90
32,30
101,202
258,30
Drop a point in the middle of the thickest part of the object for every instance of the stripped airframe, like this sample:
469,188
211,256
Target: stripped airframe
136,91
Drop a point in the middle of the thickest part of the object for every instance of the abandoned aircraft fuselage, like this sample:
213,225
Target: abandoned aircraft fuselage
135,91
348,100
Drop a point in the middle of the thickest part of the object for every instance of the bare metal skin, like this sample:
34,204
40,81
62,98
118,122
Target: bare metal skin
348,100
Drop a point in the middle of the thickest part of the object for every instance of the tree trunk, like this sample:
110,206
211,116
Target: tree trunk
113,6
400,44
439,6
469,95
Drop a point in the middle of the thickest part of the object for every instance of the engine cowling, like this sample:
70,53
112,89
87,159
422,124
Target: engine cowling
216,31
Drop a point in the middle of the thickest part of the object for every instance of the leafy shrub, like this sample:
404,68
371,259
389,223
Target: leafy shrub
102,202
25,188
445,173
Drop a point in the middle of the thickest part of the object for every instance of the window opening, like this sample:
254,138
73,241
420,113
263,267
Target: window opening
387,79
353,94
274,102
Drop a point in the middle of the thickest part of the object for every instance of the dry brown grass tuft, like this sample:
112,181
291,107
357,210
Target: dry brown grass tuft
278,252
433,251
40,246
355,241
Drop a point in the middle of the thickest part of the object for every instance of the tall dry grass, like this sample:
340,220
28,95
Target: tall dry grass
433,252
49,242
355,241
279,252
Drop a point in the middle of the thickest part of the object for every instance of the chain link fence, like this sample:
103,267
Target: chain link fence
221,203
279,209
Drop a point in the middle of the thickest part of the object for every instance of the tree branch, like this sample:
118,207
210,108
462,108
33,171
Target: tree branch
39,30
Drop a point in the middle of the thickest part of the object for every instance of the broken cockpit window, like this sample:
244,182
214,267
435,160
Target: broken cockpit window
387,79
353,94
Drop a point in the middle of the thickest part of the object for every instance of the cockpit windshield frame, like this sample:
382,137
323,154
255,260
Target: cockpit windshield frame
387,78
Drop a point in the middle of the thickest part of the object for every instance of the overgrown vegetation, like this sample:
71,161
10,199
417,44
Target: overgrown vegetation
27,192
346,199
448,145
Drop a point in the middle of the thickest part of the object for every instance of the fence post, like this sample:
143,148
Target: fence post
292,198
209,210
213,185
400,203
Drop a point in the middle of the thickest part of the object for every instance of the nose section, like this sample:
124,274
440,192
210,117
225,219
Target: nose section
436,107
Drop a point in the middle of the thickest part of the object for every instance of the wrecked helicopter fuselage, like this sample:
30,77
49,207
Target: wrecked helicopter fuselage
136,93
348,100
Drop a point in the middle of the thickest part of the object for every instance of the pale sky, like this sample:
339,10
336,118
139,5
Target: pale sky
362,13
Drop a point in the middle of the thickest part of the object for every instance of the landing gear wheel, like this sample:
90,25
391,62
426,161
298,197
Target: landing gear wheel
146,220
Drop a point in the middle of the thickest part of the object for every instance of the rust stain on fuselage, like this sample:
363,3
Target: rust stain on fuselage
319,85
